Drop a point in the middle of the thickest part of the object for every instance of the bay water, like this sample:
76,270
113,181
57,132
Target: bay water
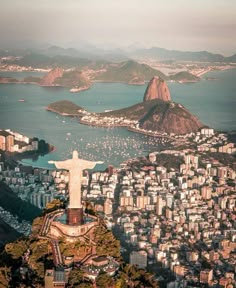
212,101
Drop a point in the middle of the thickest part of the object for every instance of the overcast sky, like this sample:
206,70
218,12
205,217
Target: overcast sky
174,24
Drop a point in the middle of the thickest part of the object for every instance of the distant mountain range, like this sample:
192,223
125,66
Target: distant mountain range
118,55
42,61
165,54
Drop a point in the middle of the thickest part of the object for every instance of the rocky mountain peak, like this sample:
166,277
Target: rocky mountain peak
157,89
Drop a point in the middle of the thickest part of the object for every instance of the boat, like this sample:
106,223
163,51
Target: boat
21,100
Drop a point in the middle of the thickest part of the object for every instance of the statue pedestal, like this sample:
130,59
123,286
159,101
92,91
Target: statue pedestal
75,216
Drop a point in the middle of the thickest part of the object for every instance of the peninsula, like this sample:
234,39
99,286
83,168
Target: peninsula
157,114
66,108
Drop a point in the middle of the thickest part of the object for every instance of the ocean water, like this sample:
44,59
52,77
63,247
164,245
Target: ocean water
212,101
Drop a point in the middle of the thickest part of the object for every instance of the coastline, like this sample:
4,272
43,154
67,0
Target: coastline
201,72
7,80
123,125
101,125
130,128
197,72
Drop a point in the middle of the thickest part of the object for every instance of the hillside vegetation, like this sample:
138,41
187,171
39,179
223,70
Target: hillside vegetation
65,107
129,72
73,78
138,111
183,75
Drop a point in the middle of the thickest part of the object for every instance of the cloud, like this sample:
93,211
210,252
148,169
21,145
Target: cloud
169,23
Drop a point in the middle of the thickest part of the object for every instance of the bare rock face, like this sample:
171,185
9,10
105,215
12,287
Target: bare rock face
157,89
170,117
50,78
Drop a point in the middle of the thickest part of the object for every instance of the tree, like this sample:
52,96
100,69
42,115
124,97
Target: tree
77,279
85,285
4,277
104,280
107,244
130,277
53,205
16,249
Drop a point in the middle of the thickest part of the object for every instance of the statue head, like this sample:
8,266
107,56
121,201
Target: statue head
75,154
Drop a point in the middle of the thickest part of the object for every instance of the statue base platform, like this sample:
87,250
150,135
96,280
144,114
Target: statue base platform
60,228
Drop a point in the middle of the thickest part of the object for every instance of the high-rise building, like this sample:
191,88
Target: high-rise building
206,276
169,213
2,143
108,207
126,201
222,172
206,192
159,205
142,201
10,143
1,166
35,199
169,200
191,161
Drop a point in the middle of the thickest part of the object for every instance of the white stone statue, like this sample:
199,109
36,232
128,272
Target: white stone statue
75,167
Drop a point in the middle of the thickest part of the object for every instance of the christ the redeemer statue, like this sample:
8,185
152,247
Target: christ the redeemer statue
75,166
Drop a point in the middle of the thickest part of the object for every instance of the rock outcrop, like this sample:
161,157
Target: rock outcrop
157,89
50,78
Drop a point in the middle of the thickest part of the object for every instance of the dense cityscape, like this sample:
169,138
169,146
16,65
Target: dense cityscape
177,222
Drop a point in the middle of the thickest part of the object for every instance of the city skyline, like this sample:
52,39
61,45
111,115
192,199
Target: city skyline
180,25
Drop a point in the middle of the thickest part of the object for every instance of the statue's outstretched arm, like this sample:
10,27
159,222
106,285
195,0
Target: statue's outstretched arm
61,164
90,164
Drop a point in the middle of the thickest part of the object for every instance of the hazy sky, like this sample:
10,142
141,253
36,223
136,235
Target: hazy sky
173,24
